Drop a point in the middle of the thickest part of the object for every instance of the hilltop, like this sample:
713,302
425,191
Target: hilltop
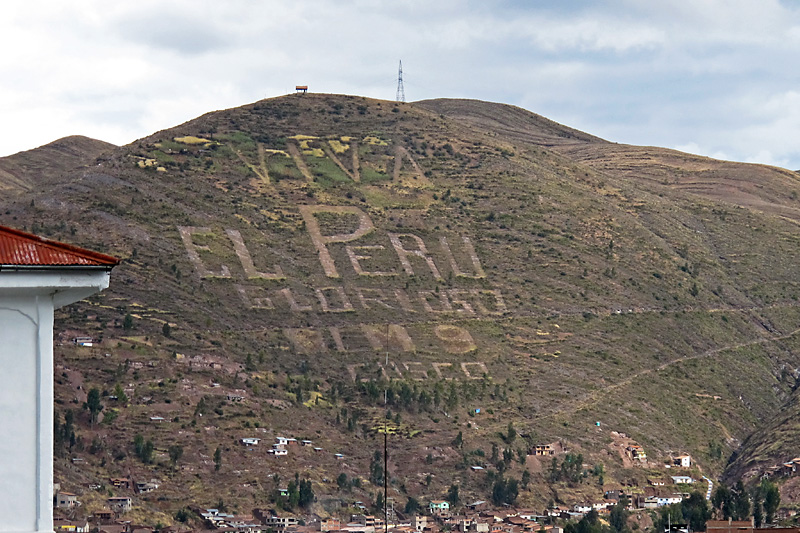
515,274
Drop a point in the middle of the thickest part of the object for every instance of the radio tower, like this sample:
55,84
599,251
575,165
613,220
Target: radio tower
401,93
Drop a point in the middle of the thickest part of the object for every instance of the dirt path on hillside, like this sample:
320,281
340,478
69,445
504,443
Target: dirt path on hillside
595,396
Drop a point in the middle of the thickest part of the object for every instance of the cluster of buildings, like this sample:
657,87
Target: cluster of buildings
282,445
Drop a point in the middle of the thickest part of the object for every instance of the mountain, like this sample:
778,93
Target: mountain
27,170
509,282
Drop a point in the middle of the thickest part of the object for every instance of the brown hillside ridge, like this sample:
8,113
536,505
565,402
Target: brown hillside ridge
26,170
760,187
508,281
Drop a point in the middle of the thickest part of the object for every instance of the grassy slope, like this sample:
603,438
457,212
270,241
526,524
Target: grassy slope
706,293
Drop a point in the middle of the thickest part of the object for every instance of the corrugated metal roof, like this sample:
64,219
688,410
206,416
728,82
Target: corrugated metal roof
18,248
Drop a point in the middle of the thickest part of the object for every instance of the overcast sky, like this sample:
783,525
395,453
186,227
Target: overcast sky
713,77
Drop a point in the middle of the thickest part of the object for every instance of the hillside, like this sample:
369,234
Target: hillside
510,270
26,170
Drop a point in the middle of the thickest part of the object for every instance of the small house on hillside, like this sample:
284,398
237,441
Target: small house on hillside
544,449
682,480
66,500
120,504
684,461
439,507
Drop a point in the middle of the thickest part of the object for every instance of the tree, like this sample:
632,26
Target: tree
741,502
93,404
458,442
305,494
376,469
217,459
526,478
512,433
505,491
119,392
175,453
143,449
166,329
412,506
695,511
127,322
772,499
618,518
452,495
342,482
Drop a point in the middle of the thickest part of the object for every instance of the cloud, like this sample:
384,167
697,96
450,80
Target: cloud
711,74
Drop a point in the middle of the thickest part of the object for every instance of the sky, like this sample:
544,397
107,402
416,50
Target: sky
711,77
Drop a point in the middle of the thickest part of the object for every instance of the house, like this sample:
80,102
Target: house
156,419
120,504
120,482
544,449
682,480
83,341
66,500
330,524
636,452
146,486
582,507
305,443
419,523
70,526
684,461
37,277
439,507
250,441
729,526
235,398
479,505
668,499
338,456
280,451
281,441
656,482
103,515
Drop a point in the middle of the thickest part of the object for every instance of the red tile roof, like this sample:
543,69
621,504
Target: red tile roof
18,248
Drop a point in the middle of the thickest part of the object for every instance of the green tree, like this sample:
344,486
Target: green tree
505,491
452,495
618,518
305,494
412,506
458,442
741,502
511,433
342,482
175,453
217,459
772,499
119,392
526,478
695,511
143,449
376,469
127,322
93,404
166,329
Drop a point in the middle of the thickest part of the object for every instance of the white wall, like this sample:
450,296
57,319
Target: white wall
26,456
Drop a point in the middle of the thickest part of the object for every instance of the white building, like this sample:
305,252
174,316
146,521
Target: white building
37,276
684,461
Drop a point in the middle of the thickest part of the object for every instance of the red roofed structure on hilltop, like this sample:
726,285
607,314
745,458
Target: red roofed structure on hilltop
20,249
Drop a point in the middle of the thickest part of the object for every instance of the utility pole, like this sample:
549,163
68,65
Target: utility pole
401,93
385,402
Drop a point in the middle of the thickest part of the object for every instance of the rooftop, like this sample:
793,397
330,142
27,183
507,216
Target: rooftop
20,249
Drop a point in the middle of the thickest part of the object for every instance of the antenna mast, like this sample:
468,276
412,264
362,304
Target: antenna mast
401,93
